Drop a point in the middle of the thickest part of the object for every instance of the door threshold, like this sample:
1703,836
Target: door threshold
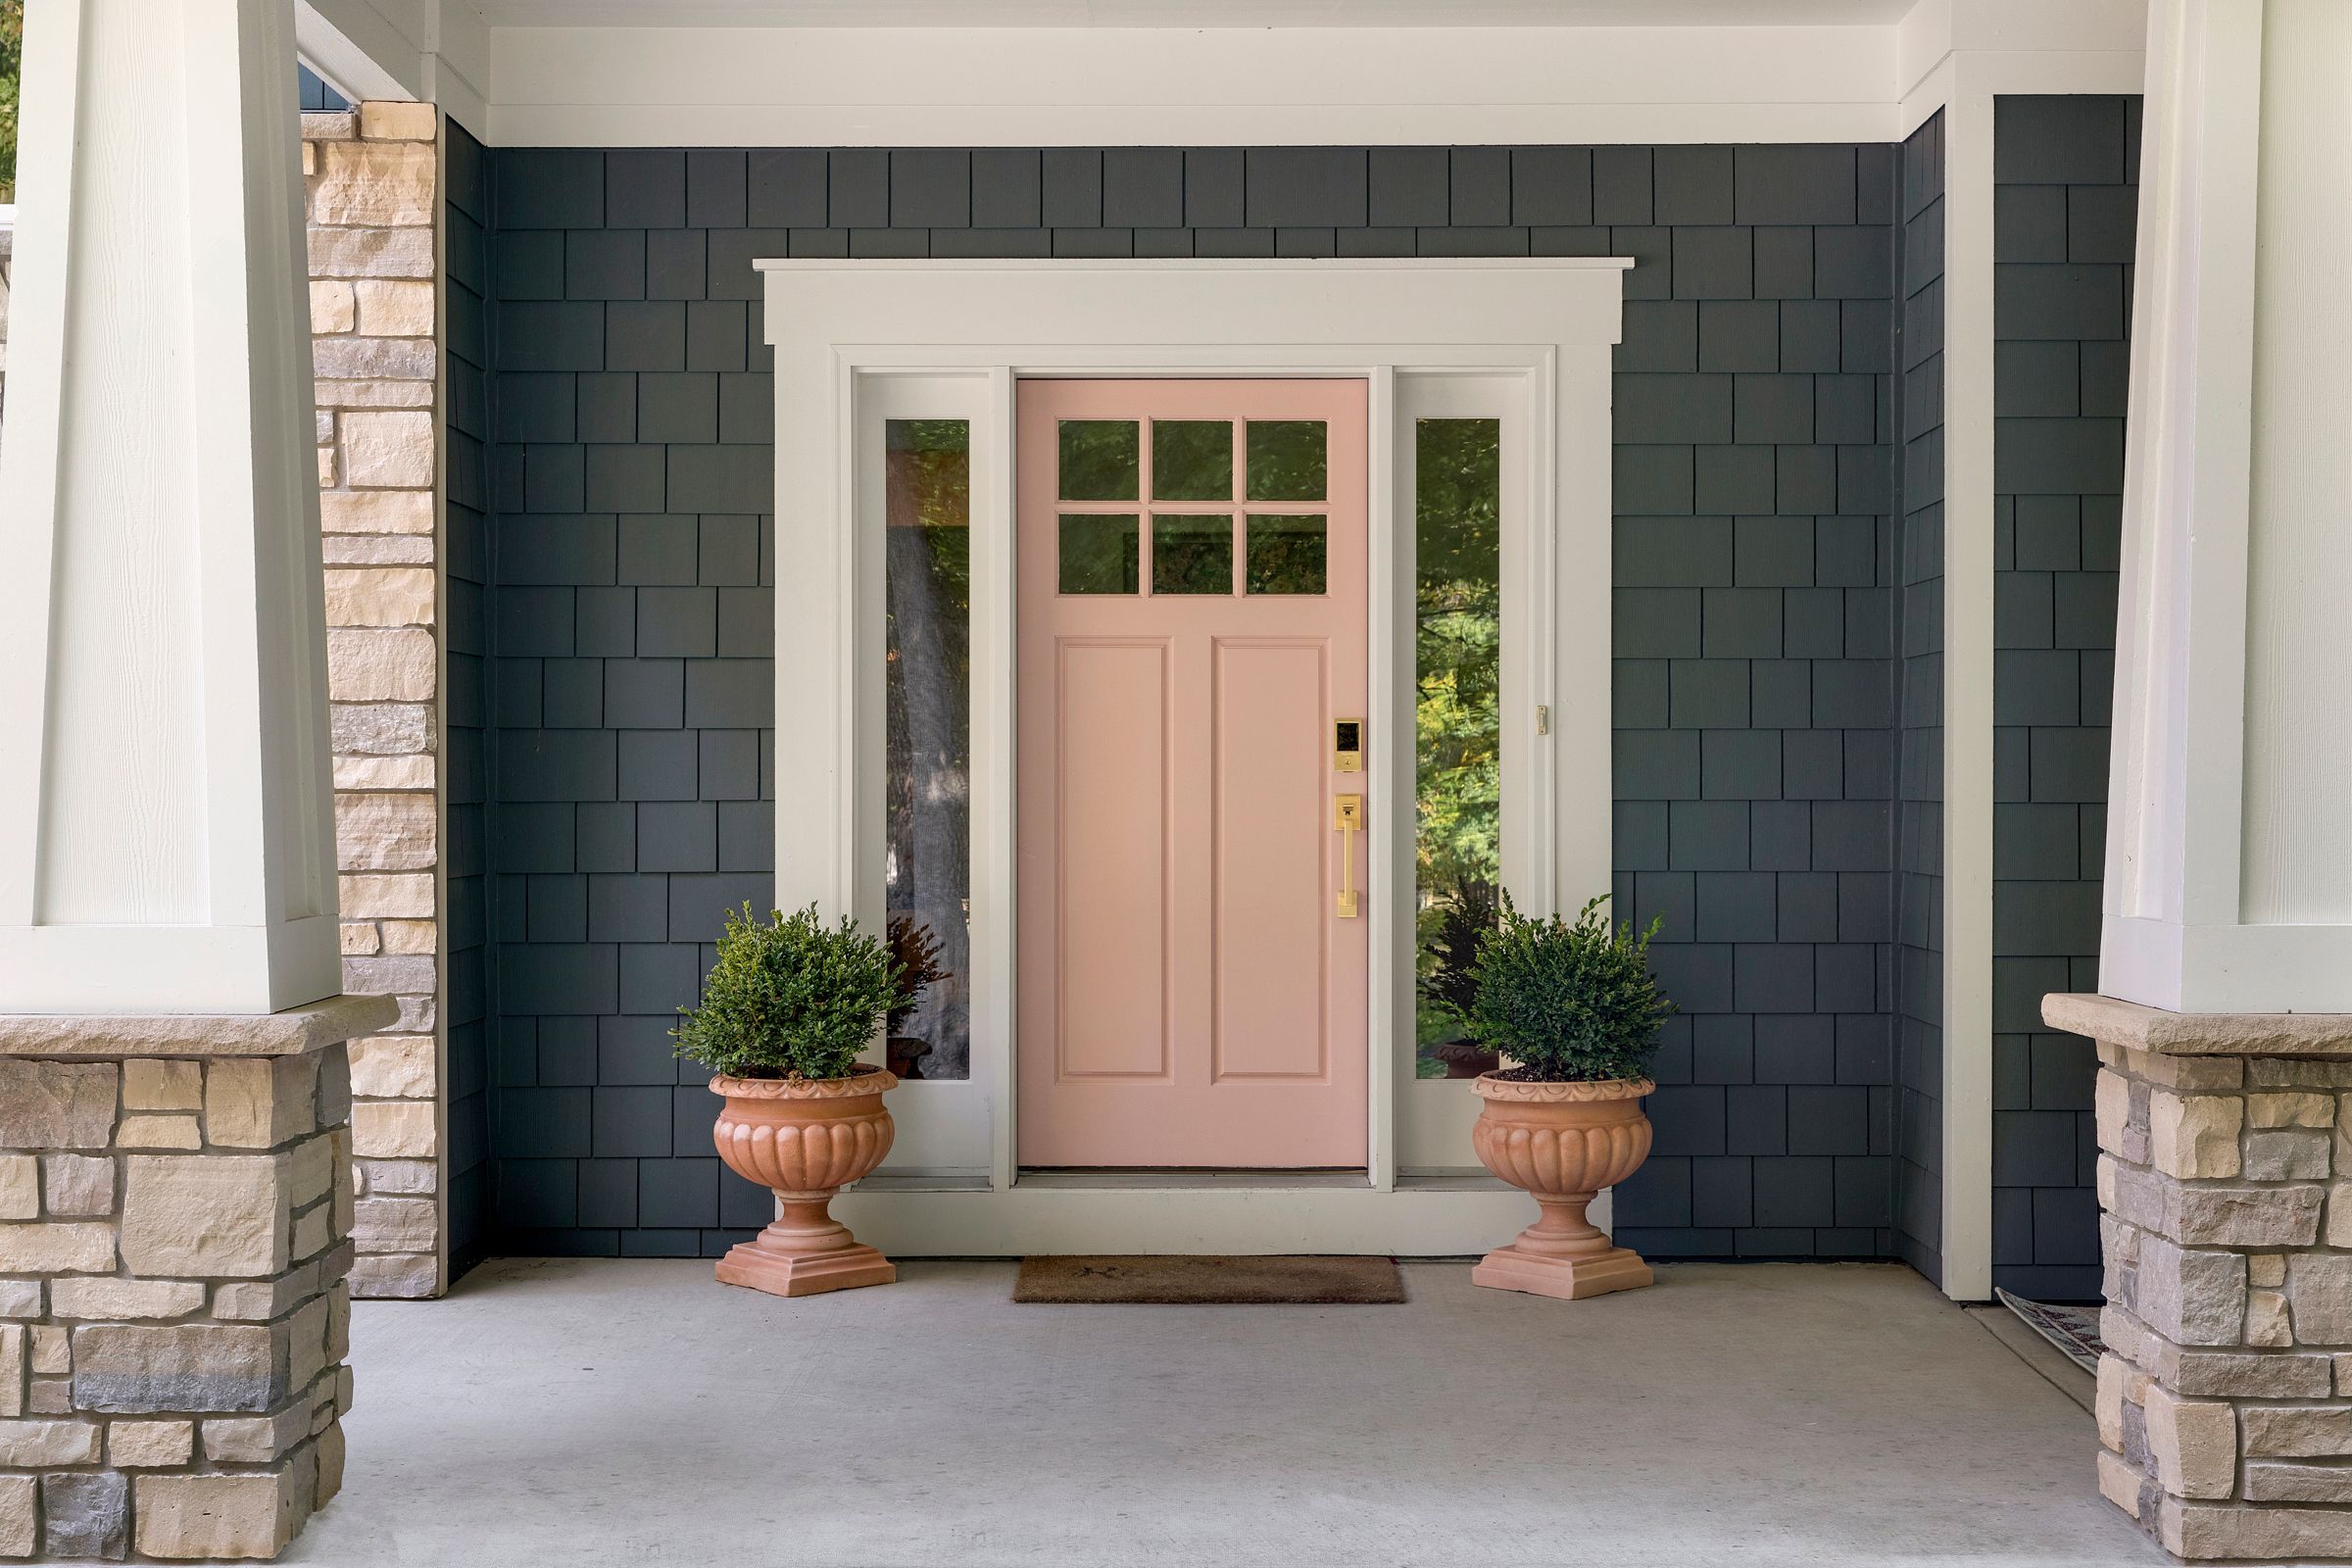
1190,1179
921,1181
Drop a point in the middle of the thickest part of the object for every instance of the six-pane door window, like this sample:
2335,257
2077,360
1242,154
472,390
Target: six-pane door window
1235,507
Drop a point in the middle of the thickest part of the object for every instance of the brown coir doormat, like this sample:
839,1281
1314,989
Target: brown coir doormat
1209,1281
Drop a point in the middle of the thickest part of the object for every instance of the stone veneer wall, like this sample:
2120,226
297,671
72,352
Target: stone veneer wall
2224,1400
373,177
174,1317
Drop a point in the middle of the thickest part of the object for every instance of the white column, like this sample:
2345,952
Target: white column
2229,882
165,833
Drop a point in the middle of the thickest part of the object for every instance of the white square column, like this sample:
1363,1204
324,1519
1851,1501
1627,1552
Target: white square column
165,830
2229,885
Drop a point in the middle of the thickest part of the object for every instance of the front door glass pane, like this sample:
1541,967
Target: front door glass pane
928,735
1285,555
1457,650
1287,459
1100,460
1192,554
1101,553
1192,459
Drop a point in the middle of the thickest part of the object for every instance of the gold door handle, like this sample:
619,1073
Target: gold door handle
1348,815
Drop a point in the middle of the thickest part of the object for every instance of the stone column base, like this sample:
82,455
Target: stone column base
175,1207
2224,1400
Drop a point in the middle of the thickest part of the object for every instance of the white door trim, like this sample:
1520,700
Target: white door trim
860,342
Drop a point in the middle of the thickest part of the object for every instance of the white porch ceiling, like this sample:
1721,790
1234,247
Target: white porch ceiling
1190,13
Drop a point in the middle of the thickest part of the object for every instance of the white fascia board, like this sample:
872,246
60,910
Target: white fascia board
2015,46
361,50
1086,86
431,51
461,65
2074,27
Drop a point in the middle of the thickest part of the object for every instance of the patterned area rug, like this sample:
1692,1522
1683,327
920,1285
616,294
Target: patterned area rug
2075,1329
1210,1281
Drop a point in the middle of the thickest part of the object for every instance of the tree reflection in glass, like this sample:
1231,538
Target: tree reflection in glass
928,730
1458,730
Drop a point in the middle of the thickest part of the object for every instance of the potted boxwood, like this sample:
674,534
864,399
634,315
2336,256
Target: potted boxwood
1573,1008
785,1012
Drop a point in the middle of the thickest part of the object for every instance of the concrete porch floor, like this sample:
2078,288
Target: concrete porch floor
631,1413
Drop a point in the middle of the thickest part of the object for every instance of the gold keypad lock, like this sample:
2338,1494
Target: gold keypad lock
1347,746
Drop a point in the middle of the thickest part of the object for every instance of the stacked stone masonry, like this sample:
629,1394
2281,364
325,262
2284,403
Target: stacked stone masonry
175,1241
2224,1400
373,176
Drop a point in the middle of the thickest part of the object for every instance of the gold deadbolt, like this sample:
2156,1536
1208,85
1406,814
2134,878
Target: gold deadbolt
1348,815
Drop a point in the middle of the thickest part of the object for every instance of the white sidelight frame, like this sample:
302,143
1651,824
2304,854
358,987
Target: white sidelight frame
860,343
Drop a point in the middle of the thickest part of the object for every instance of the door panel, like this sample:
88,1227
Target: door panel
1115,836
1192,619
1272,981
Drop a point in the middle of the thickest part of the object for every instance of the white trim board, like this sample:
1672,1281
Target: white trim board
1963,83
1224,87
1525,340
642,73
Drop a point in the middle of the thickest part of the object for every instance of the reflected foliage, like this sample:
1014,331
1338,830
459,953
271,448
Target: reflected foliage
1099,460
1191,554
1287,459
1286,556
12,71
1192,459
1458,731
928,731
1100,553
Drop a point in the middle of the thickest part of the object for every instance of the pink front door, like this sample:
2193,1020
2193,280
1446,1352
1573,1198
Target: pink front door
1192,612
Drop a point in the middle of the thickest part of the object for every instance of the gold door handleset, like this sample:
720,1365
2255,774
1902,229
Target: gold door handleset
1348,815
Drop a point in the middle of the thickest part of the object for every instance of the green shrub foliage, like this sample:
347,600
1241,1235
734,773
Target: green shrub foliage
790,997
1569,1002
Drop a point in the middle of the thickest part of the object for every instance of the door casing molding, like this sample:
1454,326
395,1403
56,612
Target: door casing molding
1527,340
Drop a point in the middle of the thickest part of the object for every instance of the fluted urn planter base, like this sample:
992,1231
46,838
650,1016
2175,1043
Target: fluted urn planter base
762,1267
804,1139
1566,1279
1562,1143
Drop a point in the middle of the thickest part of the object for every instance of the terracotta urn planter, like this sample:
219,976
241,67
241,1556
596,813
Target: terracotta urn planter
1562,1142
804,1138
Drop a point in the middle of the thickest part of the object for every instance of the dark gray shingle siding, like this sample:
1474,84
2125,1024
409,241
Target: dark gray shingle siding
2066,190
1757,664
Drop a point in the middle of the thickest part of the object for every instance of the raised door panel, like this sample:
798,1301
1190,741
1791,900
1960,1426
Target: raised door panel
1112,855
1272,974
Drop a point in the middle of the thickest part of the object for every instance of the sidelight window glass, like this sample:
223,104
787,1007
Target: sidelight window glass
1457,648
929,723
